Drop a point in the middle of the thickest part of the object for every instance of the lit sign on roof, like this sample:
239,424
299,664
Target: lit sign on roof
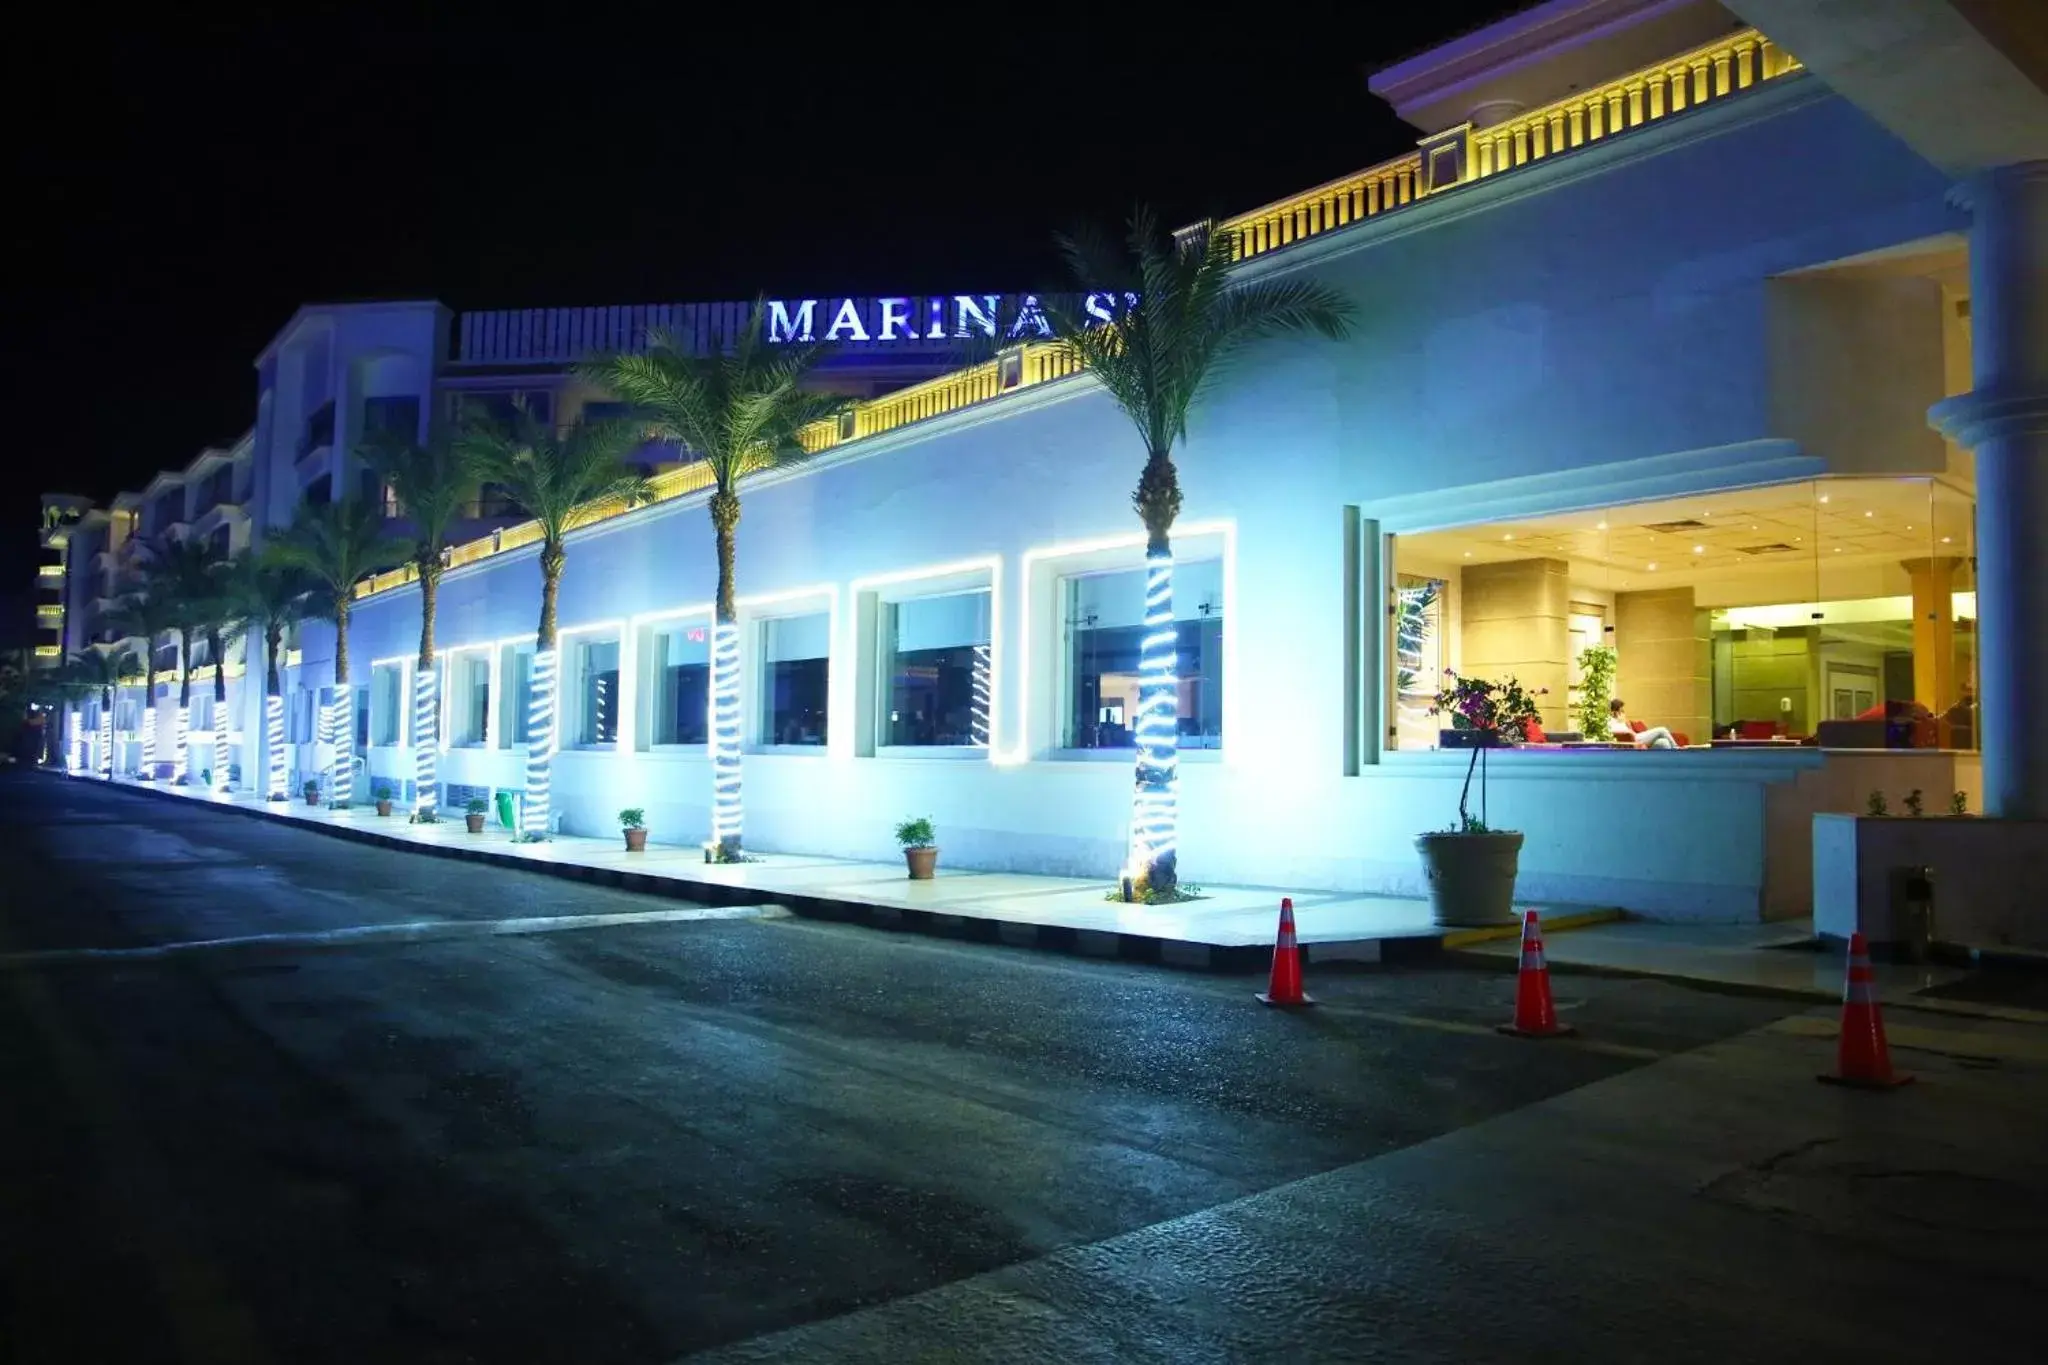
919,321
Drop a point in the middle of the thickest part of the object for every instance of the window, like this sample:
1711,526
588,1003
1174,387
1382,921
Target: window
370,488
319,493
396,417
518,726
387,694
359,700
1419,658
795,665
1741,615
1105,628
935,659
202,703
319,429
680,663
502,406
596,674
606,411
469,699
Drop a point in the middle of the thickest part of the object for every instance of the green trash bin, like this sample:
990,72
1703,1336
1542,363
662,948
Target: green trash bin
507,815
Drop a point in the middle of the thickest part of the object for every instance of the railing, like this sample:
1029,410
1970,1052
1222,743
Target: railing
1022,367
1463,155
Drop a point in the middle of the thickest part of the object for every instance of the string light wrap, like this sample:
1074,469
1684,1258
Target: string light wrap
426,741
342,783
222,781
181,734
74,759
149,741
1154,812
107,743
540,745
978,717
727,812
273,744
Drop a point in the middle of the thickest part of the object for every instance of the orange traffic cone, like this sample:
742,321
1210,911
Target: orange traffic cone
1535,1015
1861,1058
1284,987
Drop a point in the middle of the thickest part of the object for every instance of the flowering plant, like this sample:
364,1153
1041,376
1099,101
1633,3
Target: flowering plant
1506,708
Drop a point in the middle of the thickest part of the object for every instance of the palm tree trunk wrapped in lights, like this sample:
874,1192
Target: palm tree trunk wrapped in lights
978,728
728,814
222,760
739,409
273,746
426,743
341,789
148,772
556,476
267,594
1175,313
535,805
106,754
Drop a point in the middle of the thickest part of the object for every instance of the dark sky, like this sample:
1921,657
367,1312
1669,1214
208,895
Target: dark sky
180,190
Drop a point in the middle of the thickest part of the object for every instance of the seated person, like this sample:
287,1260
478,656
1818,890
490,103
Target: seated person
1621,728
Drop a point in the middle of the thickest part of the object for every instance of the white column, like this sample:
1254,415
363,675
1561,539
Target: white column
2004,419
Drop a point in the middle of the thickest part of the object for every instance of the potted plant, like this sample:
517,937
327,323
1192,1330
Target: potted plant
919,852
383,792
633,821
473,812
311,791
1471,867
1596,688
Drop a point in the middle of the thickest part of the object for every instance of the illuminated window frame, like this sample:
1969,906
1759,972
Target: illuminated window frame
874,591
642,630
569,685
754,613
1036,728
449,660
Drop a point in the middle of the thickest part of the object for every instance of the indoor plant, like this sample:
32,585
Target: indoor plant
1471,868
919,852
1596,688
633,821
311,791
383,795
473,812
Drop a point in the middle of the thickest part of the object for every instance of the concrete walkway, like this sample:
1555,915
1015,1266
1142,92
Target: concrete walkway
1229,926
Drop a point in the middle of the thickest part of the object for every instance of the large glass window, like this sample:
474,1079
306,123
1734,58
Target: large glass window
596,676
1104,631
935,653
387,693
469,699
795,658
518,726
680,670
1840,612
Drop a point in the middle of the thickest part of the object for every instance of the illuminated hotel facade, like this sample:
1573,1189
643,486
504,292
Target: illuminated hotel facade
1664,343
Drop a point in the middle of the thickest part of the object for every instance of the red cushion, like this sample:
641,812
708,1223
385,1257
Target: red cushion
1680,740
1636,726
1532,733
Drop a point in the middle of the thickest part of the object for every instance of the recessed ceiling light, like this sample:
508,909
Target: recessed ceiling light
1945,540
1601,527
1909,527
1699,549
1752,526
1468,554
1870,514
1823,497
1653,568
1509,536
1838,549
1797,539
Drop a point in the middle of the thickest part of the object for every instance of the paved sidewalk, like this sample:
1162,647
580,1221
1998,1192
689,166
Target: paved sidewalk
1230,926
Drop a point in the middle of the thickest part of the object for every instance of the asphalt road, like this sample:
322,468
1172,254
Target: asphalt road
358,1123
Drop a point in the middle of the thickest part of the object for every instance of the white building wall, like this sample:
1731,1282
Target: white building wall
1587,330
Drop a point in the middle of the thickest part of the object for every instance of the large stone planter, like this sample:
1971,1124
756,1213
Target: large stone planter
1986,874
1471,876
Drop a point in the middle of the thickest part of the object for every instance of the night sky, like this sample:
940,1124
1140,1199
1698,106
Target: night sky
207,182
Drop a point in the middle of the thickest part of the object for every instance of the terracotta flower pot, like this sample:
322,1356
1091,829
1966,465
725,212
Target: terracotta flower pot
1471,876
383,808
312,798
475,823
636,840
922,861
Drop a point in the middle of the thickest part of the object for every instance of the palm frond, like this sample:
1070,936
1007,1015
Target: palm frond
433,482
338,544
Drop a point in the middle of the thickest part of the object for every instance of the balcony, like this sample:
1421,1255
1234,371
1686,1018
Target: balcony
1462,156
319,431
49,614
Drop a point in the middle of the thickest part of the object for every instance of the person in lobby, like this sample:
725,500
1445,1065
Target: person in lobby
1621,728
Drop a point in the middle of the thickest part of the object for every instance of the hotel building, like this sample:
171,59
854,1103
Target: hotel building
1724,345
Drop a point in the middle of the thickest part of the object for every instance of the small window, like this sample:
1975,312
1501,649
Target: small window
359,698
518,726
469,700
396,417
935,653
597,691
681,675
1104,634
795,667
387,693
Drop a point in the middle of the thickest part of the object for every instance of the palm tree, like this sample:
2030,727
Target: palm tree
1181,320
93,674
267,594
556,476
740,412
433,483
339,544
147,615
185,572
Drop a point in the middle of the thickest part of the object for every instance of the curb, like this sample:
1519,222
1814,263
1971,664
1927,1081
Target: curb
1559,924
1095,943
